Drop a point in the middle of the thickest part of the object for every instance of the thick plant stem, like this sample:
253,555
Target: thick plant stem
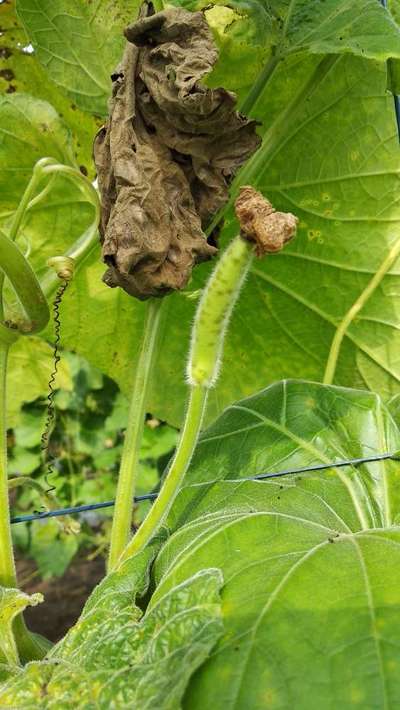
29,647
7,567
30,190
208,334
176,473
133,435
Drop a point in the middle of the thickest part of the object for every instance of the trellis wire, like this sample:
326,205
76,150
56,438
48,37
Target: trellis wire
259,477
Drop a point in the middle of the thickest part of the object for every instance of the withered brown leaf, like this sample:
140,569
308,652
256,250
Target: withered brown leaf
166,155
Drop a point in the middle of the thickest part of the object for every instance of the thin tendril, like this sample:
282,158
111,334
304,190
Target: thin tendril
50,418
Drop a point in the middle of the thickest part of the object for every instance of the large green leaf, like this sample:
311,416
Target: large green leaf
310,562
330,155
21,71
79,44
111,658
254,36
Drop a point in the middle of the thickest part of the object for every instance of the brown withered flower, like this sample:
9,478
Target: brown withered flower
261,223
166,155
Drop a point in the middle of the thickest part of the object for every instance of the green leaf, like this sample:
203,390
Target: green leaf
30,427
6,672
52,549
12,602
79,44
28,374
111,658
22,72
30,129
157,442
310,561
360,27
298,310
254,36
23,461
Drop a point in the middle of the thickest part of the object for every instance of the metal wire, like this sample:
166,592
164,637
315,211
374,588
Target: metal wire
261,476
50,418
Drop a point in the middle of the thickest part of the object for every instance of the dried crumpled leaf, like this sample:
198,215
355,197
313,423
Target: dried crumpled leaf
166,155
261,224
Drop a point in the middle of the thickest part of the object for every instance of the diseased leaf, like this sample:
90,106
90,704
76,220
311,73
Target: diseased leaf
78,44
12,602
110,658
167,154
310,561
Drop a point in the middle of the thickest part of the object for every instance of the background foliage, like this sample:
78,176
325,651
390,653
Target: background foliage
321,551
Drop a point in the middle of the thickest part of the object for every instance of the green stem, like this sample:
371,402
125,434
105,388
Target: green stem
356,307
79,251
89,239
7,567
208,334
82,246
133,436
260,84
30,190
176,473
24,281
29,647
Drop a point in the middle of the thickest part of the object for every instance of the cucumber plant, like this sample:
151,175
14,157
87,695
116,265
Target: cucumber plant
243,592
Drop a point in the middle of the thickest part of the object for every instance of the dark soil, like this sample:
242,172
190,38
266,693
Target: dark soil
64,597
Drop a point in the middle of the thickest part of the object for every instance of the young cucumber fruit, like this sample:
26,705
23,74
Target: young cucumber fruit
214,312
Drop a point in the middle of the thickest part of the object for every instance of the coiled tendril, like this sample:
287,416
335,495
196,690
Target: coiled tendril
50,418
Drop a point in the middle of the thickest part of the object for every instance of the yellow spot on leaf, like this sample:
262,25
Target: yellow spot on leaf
313,234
